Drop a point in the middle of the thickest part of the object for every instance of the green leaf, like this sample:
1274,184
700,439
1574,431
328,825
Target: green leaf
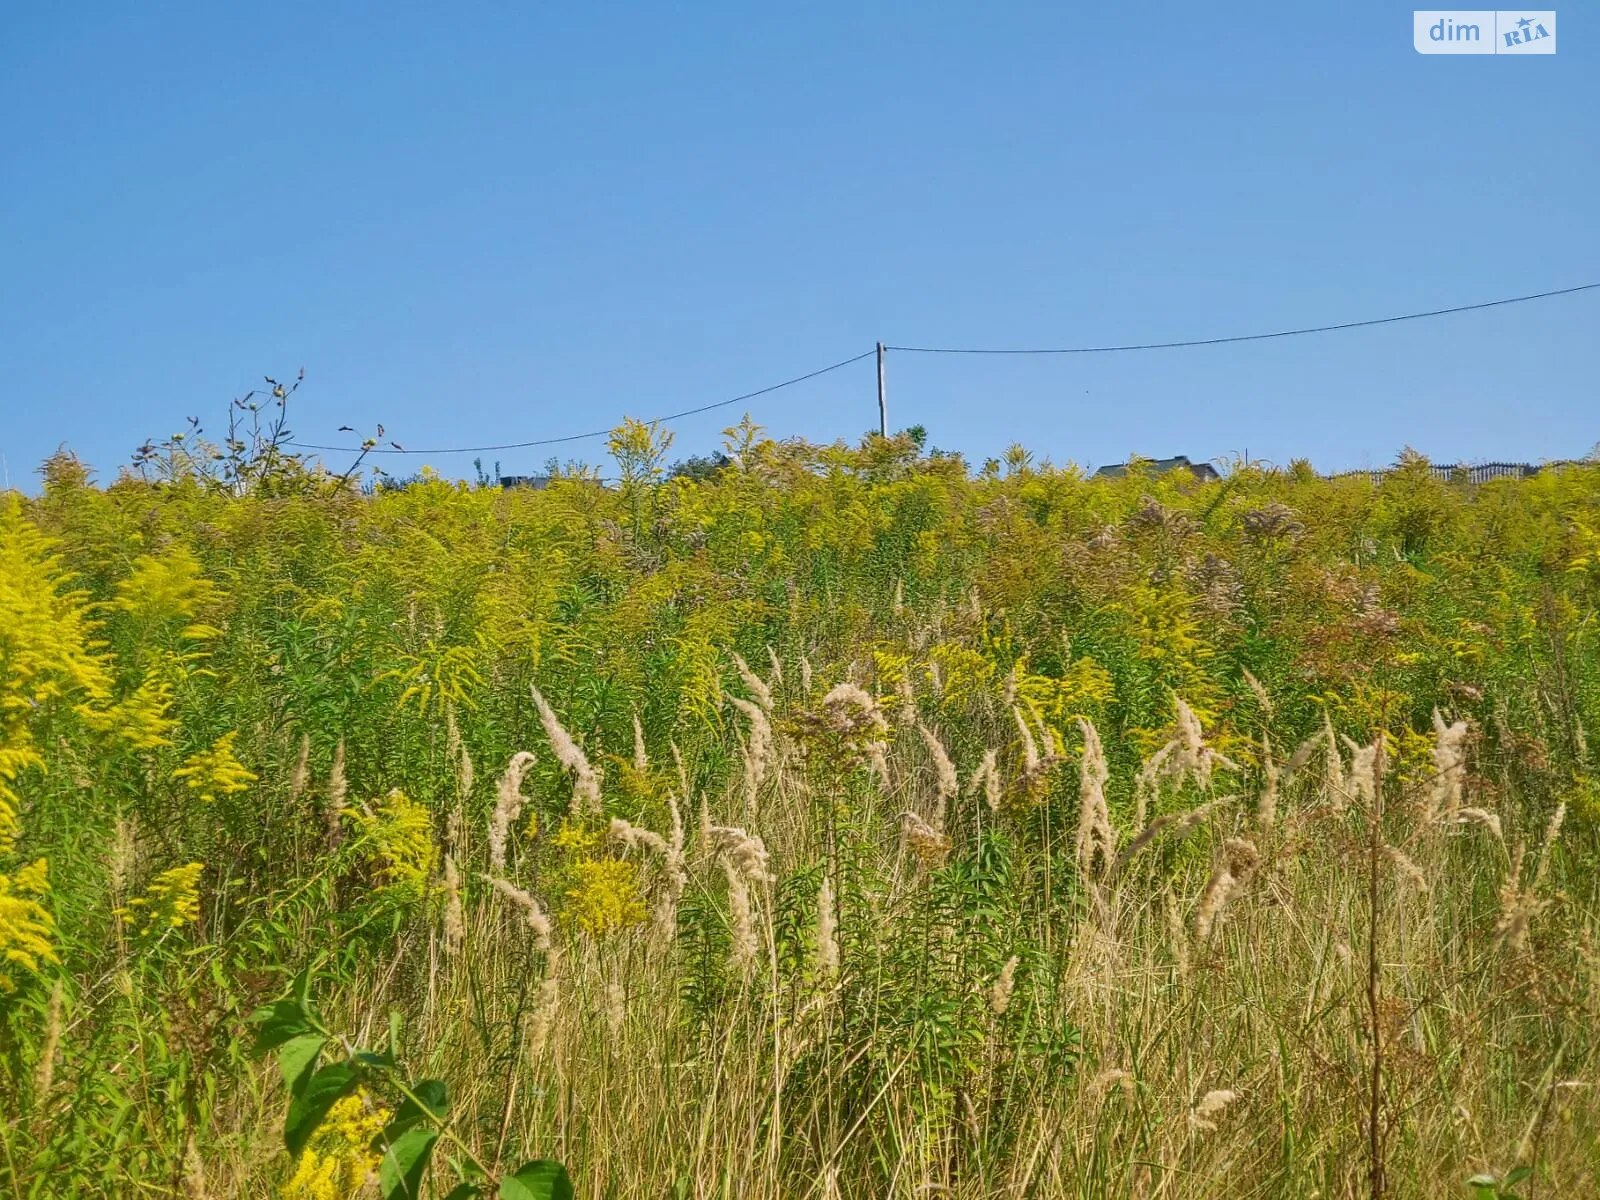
1516,1176
298,1058
317,1095
405,1160
541,1179
277,1023
435,1097
463,1191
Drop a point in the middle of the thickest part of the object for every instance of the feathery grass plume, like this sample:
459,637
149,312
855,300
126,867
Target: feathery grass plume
44,1071
334,802
1262,698
1177,934
1191,756
507,806
827,929
455,919
546,1006
1333,766
878,757
805,674
1094,818
1442,800
757,751
1518,907
949,783
302,769
586,782
1551,832
1363,777
1005,983
744,851
777,666
906,714
1147,782
635,835
532,912
119,863
1481,816
898,603
1302,755
641,760
1267,802
927,845
616,1011
1211,1105
683,771
1030,748
987,776
743,942
850,708
1008,695
1179,822
754,684
1236,865
1406,867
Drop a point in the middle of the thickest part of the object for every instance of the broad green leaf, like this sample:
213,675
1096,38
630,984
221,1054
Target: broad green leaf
1517,1176
317,1095
405,1161
297,1058
541,1179
277,1023
463,1191
435,1097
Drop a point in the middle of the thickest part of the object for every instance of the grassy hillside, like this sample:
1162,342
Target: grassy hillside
834,824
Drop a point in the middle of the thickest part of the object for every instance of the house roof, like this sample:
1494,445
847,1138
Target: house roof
1160,466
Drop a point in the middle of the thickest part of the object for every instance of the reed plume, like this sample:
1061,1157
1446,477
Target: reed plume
948,783
507,806
827,929
1095,836
586,780
532,912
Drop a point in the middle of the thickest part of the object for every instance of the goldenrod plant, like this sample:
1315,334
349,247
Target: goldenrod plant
832,822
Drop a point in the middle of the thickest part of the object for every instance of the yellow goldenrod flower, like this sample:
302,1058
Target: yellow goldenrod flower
171,901
25,924
604,896
215,772
402,847
338,1162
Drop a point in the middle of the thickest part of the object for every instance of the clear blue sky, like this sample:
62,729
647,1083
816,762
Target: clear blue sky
491,222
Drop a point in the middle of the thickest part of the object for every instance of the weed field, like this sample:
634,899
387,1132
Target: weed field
838,822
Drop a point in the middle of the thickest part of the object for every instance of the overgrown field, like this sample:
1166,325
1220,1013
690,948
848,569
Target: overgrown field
840,823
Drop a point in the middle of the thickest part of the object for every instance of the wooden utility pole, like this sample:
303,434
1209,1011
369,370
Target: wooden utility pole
883,407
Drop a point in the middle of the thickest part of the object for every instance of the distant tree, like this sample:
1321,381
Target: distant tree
701,467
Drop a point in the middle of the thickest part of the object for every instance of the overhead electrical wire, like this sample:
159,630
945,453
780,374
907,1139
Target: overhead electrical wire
1173,345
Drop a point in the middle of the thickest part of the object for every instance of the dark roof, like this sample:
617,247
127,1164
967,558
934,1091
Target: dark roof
1160,466
531,481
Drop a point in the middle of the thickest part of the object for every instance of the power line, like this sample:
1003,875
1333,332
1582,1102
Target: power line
880,349
1249,337
578,437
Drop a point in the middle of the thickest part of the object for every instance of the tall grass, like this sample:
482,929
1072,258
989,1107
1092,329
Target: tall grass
1272,874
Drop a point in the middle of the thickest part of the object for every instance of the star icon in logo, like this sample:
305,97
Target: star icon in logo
1525,22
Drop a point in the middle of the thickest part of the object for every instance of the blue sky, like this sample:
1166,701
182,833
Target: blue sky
489,223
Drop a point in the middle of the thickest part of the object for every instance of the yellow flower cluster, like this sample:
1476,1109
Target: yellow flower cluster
215,772
399,834
603,896
25,924
170,902
338,1162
